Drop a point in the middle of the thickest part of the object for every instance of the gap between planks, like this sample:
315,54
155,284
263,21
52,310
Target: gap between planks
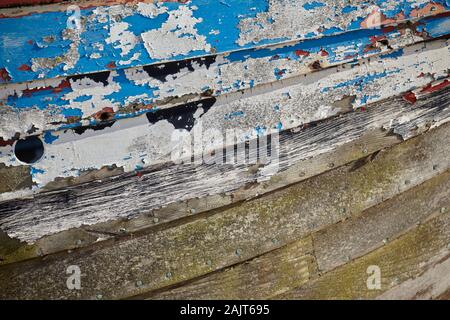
169,256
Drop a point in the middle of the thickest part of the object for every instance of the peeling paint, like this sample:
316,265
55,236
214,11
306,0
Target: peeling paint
289,103
135,34
132,91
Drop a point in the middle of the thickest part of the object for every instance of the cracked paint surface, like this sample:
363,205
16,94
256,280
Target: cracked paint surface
77,100
144,33
137,81
148,140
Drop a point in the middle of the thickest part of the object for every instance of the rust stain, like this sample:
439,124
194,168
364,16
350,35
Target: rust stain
301,53
4,75
105,114
62,85
410,97
431,8
24,67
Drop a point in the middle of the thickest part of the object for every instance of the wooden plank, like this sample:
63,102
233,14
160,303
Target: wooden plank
359,235
16,7
433,283
354,237
286,105
73,101
182,251
137,144
272,273
425,247
61,210
94,39
15,3
367,144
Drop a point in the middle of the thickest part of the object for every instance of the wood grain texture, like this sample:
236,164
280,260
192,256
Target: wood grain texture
369,143
193,248
151,138
97,202
432,283
331,247
359,235
69,102
262,277
408,257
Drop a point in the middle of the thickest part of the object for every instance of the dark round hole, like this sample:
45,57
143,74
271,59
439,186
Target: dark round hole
29,150
106,116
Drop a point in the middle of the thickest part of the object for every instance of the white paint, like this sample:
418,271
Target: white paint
177,36
281,21
86,87
121,38
134,143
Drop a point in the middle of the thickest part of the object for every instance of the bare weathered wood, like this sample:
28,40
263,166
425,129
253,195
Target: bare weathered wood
194,248
30,219
367,144
259,278
13,179
425,247
333,247
359,235
432,283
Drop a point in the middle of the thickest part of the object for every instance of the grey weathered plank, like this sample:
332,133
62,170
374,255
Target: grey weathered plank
333,247
189,249
99,201
368,143
408,257
432,283
264,276
359,235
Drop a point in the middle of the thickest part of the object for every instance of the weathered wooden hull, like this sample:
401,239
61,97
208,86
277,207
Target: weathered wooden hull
225,149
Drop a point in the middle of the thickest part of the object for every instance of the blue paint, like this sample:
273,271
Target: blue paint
34,171
360,82
71,112
234,114
220,15
313,5
279,126
260,131
349,9
393,55
49,138
279,73
51,100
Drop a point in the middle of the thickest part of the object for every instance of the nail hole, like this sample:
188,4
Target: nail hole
105,116
29,150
